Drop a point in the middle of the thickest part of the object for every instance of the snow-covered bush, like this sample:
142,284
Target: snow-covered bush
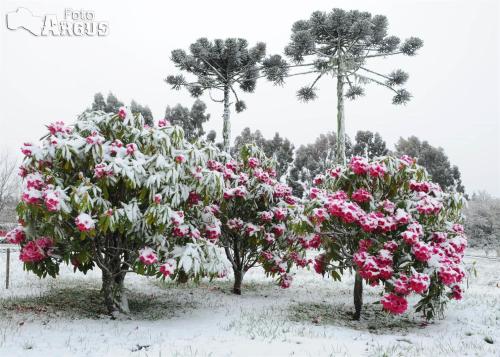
255,215
114,193
386,221
483,222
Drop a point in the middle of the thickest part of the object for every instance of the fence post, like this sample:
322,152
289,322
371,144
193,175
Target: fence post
7,269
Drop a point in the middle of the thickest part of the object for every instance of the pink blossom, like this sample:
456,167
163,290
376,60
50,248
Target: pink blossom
157,198
34,181
377,169
180,231
27,149
235,223
163,123
407,160
94,139
391,246
251,229
394,304
180,159
102,170
319,264
335,172
319,215
58,128
37,250
269,238
402,217
122,113
419,282
282,190
456,292
266,216
32,196
280,213
16,235
194,198
131,148
278,229
420,186
319,179
388,206
361,195
52,200
458,228
177,218
286,281
422,251
358,165
402,285
84,222
213,231
253,162
167,269
147,256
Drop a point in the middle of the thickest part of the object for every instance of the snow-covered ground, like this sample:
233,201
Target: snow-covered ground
64,317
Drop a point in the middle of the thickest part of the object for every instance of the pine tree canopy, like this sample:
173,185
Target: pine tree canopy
339,43
217,65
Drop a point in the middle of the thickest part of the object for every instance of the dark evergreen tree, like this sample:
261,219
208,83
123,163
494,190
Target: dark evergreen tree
145,112
313,159
339,44
211,136
191,120
112,105
434,160
281,149
99,102
219,66
369,144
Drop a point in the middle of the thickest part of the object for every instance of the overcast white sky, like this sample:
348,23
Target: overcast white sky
455,78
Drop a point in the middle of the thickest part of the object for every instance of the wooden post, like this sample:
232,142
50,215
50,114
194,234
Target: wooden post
7,269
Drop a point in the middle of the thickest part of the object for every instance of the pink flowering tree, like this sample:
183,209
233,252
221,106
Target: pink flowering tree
389,224
113,193
255,215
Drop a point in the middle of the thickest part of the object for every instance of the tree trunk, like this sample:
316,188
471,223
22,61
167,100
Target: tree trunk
226,129
182,277
358,296
238,279
340,154
115,297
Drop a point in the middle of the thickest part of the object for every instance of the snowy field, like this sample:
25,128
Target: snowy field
64,317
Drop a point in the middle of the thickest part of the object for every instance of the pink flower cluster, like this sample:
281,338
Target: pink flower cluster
36,250
16,235
59,128
147,256
84,222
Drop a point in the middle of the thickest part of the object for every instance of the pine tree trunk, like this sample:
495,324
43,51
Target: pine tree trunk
115,297
358,296
226,129
238,279
340,154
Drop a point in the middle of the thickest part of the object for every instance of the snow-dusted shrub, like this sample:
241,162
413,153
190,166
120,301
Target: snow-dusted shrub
388,222
114,193
255,215
483,221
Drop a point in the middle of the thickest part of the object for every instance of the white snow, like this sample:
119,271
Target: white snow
60,317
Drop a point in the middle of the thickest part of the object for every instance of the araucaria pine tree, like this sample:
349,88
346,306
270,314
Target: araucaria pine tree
339,44
219,66
115,193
